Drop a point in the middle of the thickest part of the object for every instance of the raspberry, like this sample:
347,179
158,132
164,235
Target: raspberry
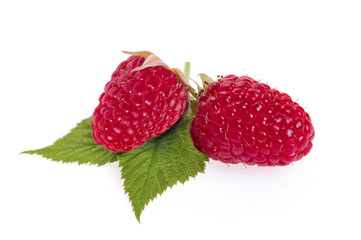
240,120
137,105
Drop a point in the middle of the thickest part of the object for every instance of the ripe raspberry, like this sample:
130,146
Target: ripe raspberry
137,105
240,120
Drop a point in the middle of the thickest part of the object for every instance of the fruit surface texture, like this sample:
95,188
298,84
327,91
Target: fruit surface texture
137,105
240,120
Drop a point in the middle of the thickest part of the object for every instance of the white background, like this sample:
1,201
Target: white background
56,56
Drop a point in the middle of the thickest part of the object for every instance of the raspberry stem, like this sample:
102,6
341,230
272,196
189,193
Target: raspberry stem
187,69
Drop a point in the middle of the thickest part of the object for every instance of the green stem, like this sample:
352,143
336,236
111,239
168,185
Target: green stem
194,94
186,72
187,69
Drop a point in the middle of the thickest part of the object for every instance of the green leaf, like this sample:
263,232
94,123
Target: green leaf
147,170
78,146
160,163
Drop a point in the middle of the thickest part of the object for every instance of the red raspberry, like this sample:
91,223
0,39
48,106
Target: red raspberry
240,120
137,105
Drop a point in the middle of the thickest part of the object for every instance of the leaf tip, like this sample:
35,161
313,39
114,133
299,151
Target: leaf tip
137,214
27,152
